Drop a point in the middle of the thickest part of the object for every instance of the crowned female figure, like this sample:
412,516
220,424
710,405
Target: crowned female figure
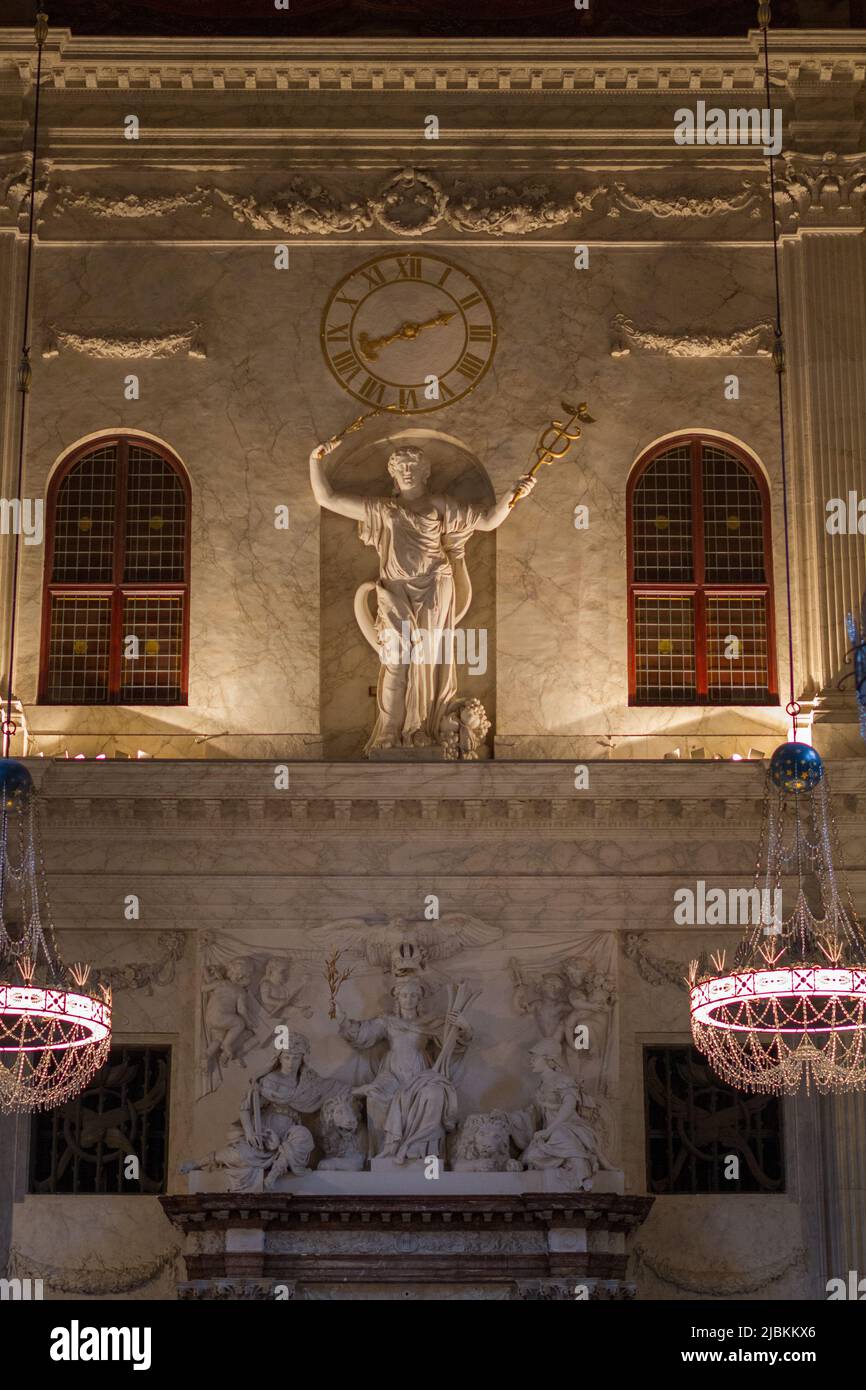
412,1101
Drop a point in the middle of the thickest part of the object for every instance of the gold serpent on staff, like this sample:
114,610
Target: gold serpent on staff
558,431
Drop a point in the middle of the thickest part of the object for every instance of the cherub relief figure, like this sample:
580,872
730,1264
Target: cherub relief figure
591,996
565,1000
275,992
545,999
228,1009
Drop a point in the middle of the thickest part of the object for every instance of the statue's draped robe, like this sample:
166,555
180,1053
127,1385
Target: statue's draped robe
572,1142
410,1106
271,1113
416,587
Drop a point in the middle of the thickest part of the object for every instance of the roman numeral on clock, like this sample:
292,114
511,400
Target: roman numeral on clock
480,333
408,398
409,268
338,334
470,301
346,364
469,366
374,276
372,390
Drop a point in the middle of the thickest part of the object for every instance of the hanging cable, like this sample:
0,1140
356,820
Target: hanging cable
25,374
792,708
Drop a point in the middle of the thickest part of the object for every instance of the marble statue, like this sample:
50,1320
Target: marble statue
228,1014
422,594
567,999
554,1131
339,1123
269,1139
412,1102
591,997
484,1145
463,730
545,999
275,992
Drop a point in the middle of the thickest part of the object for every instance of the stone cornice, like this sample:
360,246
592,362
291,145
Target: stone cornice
622,66
185,779
191,799
221,1211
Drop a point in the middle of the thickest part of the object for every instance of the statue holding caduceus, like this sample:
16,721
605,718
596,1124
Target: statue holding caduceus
422,594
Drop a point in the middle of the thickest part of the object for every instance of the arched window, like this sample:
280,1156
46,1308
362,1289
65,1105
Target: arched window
700,571
115,619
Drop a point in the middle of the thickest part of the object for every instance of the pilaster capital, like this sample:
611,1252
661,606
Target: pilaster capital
822,191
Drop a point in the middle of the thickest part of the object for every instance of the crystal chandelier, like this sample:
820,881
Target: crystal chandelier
54,1032
793,1005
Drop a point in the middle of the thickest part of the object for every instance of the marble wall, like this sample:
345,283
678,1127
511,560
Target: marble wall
270,650
162,264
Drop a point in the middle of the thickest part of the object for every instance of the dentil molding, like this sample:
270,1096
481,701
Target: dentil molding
599,66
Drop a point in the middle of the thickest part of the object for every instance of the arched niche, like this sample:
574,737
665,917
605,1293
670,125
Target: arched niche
349,668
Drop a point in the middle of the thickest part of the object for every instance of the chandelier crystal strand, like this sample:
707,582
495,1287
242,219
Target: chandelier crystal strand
55,1031
792,1008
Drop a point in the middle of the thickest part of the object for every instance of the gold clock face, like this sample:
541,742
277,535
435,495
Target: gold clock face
405,325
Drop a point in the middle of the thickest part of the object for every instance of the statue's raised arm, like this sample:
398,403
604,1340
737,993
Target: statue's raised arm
343,503
422,594
493,518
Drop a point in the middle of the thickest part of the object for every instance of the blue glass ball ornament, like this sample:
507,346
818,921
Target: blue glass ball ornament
15,782
795,767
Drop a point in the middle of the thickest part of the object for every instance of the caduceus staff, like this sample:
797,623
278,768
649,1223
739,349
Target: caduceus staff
558,432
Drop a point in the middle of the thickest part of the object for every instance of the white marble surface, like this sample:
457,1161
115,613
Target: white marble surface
412,1183
276,659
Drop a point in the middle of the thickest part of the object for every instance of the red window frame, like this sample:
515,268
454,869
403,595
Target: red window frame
698,587
119,588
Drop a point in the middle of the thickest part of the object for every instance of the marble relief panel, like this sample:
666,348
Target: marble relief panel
262,991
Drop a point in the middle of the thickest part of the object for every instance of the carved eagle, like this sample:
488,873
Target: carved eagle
403,946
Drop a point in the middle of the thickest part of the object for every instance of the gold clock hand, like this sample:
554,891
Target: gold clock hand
370,347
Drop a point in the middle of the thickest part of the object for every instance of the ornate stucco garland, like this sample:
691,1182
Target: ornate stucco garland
655,970
147,975
95,1278
410,203
690,1281
413,202
756,341
126,345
